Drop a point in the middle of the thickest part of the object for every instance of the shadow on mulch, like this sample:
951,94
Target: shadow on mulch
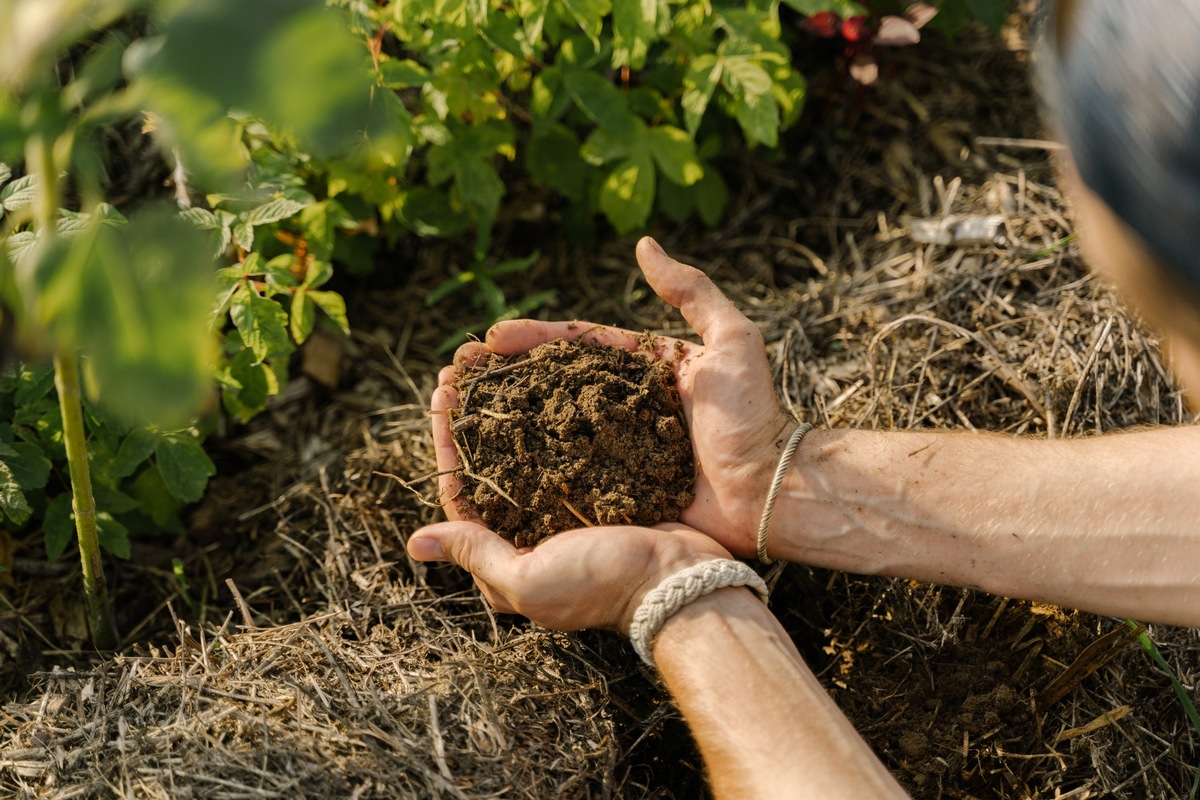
304,654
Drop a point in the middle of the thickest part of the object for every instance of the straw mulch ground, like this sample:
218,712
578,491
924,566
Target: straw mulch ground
305,655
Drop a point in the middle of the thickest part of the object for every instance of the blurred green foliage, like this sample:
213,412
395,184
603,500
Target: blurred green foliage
311,137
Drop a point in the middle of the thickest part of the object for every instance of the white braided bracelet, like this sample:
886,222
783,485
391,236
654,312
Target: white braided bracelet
682,588
785,461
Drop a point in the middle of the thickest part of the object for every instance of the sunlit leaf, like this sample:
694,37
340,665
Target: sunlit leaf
334,307
600,100
303,315
262,324
634,29
627,194
699,82
675,154
184,465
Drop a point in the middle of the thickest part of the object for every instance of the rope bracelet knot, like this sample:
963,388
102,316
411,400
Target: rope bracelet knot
682,588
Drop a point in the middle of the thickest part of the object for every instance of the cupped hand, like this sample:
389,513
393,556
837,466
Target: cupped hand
586,578
737,426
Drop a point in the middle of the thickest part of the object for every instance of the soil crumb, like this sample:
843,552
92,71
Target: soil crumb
570,435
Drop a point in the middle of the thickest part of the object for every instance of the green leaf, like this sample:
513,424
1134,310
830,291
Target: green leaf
699,82
318,273
28,465
58,526
5,173
113,536
245,385
135,448
12,499
184,465
744,76
20,193
150,490
634,30
402,73
675,154
844,8
303,315
274,211
759,117
292,63
589,15
553,159
112,500
262,324
627,194
320,222
136,299
602,146
711,197
334,307
601,101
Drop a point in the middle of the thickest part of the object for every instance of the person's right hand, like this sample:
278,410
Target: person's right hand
737,426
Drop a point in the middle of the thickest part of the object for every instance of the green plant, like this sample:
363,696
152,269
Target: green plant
134,296
1185,699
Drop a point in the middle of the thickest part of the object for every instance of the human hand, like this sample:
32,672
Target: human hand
584,578
737,426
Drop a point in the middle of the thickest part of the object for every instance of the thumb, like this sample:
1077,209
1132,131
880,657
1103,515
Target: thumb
702,304
477,549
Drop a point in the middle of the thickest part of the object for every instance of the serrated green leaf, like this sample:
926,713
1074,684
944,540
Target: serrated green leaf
589,16
675,154
744,77
627,194
150,490
12,499
58,526
112,500
245,385
601,101
303,315
699,82
334,307
635,28
135,448
33,384
113,536
603,146
318,273
320,222
758,115
243,235
274,211
184,466
28,465
5,173
262,324
20,193
402,73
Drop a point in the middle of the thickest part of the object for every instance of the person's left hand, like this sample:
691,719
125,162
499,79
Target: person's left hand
584,578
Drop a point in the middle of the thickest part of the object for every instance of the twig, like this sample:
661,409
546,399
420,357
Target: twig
241,602
337,669
578,516
497,371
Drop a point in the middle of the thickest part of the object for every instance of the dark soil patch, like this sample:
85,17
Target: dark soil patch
572,435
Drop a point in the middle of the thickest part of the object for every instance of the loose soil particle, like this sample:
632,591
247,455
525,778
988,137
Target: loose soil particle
572,435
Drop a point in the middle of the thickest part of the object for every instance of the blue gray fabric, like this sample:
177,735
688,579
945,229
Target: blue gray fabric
1125,92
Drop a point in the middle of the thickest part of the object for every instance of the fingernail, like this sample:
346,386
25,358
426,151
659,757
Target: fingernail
654,243
426,548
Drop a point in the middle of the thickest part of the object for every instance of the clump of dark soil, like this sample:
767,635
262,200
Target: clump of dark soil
571,435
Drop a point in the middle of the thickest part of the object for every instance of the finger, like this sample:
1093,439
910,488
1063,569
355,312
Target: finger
494,598
447,375
446,454
522,335
471,546
702,304
471,354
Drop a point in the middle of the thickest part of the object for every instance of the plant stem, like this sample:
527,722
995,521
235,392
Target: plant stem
95,587
66,380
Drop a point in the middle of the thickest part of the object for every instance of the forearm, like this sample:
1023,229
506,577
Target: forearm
765,726
1110,524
